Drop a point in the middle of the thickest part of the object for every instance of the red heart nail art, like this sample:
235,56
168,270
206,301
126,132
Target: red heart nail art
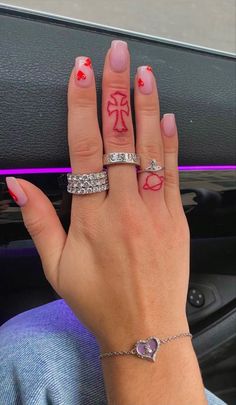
81,75
88,62
140,82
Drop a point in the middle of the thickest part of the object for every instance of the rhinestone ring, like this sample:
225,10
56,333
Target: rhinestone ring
153,167
121,157
87,183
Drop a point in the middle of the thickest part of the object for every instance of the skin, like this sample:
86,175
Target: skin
123,268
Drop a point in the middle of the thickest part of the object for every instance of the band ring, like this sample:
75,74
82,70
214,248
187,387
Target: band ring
153,167
121,157
87,183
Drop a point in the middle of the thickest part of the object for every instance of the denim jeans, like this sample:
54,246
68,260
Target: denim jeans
47,357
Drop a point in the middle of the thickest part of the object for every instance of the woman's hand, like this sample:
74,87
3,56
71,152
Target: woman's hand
124,265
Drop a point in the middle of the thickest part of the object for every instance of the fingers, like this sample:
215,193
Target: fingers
118,134
148,135
85,141
170,142
42,223
84,138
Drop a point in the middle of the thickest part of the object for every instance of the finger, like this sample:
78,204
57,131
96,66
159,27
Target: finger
170,142
148,135
118,134
85,142
42,223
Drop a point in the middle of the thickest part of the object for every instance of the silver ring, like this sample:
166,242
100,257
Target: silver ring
87,183
153,167
121,157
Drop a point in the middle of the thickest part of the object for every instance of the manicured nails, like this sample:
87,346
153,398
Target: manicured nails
145,79
119,56
169,124
83,71
16,191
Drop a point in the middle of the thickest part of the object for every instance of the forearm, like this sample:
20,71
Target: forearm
173,379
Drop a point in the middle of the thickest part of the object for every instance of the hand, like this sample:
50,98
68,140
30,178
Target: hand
123,268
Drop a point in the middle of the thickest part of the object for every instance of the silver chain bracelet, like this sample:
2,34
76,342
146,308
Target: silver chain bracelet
148,348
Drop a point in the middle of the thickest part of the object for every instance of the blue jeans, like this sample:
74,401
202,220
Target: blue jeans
43,361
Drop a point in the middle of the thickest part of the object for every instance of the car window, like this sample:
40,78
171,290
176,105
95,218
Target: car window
205,23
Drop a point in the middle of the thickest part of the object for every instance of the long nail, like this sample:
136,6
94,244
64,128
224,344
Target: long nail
119,56
145,79
83,71
16,191
169,124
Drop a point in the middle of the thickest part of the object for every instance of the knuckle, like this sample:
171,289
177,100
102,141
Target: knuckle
122,139
35,226
81,99
150,109
171,177
116,84
153,149
171,152
86,147
84,108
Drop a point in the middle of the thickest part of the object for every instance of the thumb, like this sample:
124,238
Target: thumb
42,223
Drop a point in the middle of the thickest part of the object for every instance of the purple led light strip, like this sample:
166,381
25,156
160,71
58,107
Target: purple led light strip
39,170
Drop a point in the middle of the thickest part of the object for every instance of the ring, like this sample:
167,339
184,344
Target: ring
121,157
153,167
87,183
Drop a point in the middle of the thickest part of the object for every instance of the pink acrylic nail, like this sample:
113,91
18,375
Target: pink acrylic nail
145,79
16,191
119,56
169,124
83,71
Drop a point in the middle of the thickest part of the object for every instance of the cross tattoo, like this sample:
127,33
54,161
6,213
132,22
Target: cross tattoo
119,106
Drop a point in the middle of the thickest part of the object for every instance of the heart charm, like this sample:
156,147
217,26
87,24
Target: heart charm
147,349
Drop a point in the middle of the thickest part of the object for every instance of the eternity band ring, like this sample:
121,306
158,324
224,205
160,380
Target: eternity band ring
87,183
121,157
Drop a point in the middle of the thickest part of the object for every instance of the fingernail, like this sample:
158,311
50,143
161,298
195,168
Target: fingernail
169,124
145,79
83,71
119,56
16,191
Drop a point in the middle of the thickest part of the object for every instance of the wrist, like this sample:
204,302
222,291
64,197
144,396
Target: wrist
120,340
130,380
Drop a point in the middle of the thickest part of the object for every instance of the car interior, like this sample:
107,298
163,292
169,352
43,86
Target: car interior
37,53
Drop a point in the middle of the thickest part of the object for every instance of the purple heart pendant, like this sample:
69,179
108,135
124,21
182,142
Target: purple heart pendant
147,349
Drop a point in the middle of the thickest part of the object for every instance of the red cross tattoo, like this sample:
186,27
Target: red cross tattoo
119,106
153,182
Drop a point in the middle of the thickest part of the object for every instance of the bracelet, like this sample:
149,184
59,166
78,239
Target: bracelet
148,348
